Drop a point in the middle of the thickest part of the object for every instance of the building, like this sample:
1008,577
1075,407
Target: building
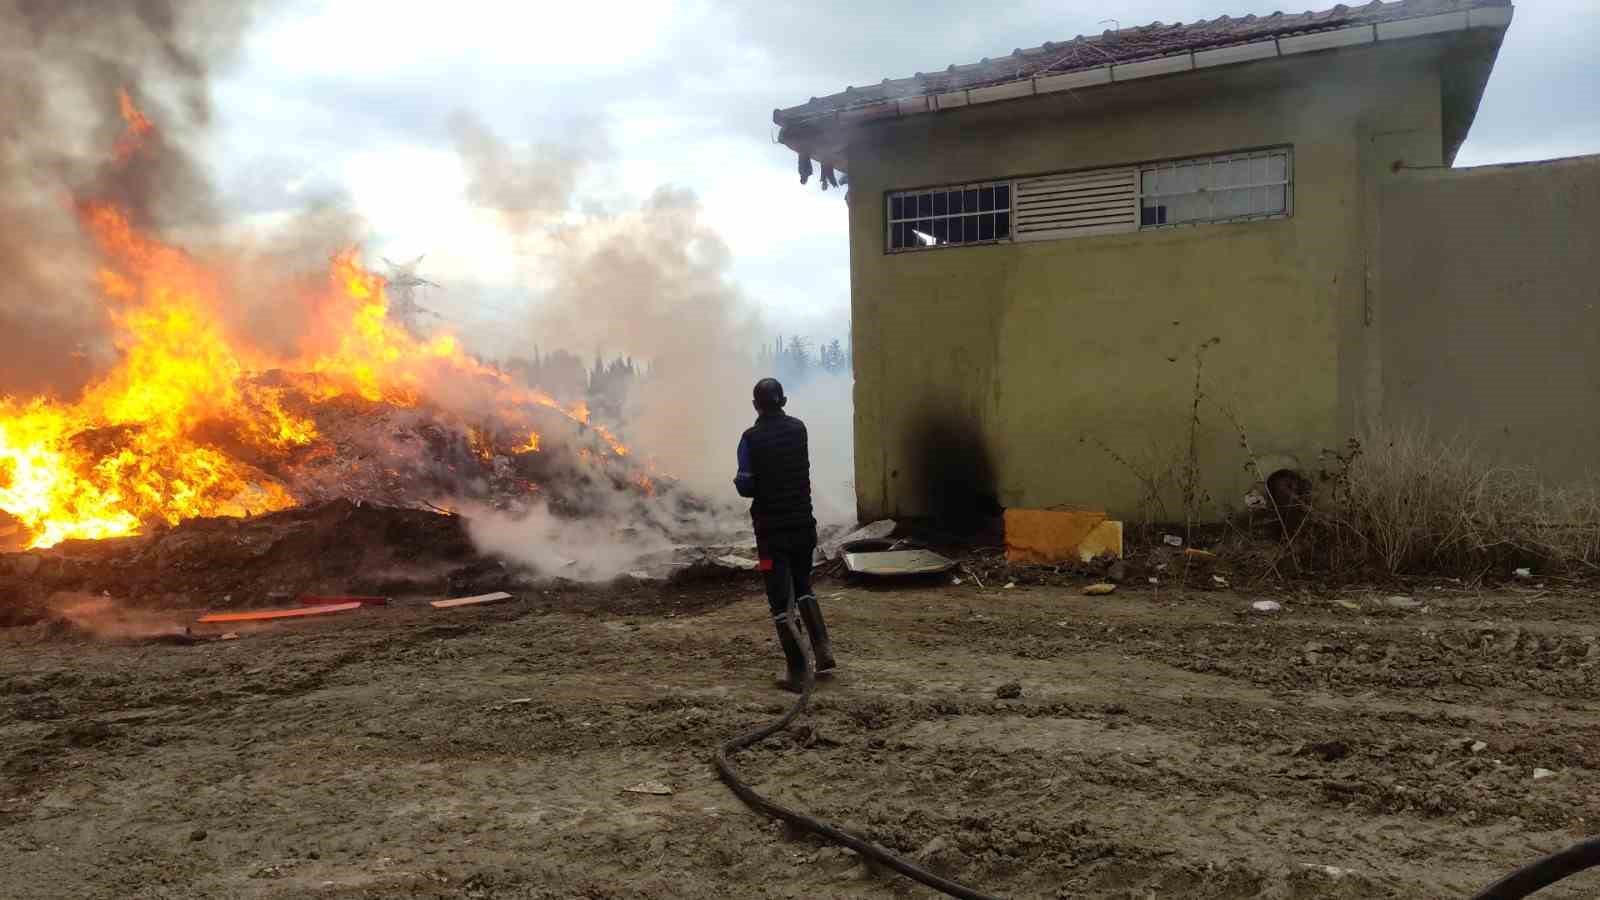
1042,243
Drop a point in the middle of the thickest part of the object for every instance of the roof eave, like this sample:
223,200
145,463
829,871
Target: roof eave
823,135
1462,84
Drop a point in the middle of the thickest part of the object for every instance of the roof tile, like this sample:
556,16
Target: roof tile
1122,46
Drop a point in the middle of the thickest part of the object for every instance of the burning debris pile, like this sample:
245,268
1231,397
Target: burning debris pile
198,419
187,403
195,421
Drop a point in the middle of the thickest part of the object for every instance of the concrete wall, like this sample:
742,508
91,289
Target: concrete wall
1491,309
1000,368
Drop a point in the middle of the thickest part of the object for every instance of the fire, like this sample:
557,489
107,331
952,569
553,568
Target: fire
617,447
184,425
530,446
139,127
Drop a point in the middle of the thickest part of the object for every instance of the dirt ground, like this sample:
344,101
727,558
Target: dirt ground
1161,747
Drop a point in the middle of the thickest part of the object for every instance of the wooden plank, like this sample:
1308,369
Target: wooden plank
265,615
315,600
454,602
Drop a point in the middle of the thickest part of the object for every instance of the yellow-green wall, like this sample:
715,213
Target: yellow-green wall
1491,310
1035,353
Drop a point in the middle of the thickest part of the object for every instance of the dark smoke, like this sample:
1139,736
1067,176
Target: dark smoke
65,62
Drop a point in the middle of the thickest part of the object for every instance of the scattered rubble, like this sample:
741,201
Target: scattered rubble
1100,590
653,788
876,531
738,563
1266,606
1011,690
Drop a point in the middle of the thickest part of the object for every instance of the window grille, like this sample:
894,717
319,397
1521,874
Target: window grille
960,214
1226,188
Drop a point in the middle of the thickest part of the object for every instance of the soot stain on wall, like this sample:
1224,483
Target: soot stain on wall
954,471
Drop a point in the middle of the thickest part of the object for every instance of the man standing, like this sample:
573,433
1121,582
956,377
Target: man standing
775,472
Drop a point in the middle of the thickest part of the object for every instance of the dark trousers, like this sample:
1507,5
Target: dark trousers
786,565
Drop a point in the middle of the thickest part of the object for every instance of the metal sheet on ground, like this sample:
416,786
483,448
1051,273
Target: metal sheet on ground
898,562
267,615
454,602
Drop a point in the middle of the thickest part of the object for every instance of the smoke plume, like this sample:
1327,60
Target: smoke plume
84,81
652,283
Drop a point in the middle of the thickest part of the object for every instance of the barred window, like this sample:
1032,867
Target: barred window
948,216
1231,187
1214,189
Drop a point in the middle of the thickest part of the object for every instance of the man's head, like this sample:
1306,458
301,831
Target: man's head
768,396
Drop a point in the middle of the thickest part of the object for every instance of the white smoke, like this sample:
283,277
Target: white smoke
588,549
651,283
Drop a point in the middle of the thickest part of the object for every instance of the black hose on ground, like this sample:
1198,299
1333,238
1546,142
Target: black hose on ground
1527,880
802,822
1541,874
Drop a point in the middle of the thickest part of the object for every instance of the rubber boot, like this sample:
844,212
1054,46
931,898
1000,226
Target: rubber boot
821,647
794,679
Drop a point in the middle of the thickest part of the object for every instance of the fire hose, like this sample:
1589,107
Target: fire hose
1541,874
1533,877
805,823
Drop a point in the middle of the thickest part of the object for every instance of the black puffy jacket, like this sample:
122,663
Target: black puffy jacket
780,470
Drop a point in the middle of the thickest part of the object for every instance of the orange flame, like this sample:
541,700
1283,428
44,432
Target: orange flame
139,127
140,445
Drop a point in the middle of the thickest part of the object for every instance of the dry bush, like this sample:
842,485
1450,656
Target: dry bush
1405,502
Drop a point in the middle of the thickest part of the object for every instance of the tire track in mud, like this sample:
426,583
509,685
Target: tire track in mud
1158,748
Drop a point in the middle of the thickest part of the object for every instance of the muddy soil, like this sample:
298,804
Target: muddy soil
1160,747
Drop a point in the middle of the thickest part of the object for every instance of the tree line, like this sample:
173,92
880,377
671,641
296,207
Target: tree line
604,383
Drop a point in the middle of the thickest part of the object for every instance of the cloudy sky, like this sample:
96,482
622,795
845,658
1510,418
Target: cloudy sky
351,101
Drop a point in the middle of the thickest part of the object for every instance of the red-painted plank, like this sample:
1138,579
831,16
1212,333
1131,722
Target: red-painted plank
263,615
